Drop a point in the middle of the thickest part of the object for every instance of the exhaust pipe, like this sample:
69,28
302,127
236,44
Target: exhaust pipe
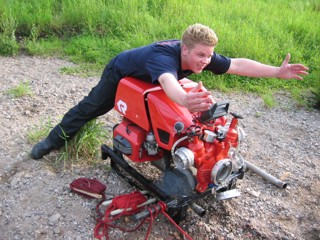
197,209
275,181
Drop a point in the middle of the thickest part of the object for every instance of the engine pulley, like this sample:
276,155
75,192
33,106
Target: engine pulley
221,171
183,158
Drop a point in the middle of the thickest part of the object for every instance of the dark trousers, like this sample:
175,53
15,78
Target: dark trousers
99,101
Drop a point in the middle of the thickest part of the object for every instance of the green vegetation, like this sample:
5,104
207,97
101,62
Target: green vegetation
23,89
268,100
93,31
84,147
40,131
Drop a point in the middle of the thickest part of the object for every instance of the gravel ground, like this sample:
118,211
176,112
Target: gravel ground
36,202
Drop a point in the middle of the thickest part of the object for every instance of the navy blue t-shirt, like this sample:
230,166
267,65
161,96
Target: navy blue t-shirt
149,62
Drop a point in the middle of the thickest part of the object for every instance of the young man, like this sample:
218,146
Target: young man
162,62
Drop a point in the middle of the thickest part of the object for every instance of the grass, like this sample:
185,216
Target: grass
21,90
39,131
83,148
91,32
268,100
85,145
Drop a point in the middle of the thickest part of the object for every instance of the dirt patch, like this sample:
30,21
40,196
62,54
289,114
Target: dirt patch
36,202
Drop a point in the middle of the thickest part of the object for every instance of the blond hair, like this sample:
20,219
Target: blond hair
198,33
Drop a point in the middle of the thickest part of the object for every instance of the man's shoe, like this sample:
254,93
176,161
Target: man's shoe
41,148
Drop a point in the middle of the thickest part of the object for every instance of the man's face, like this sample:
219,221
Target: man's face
197,58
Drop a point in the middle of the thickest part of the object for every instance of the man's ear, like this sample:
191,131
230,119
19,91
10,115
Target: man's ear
184,49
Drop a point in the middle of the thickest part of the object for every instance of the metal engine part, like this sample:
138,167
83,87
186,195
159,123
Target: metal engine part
221,171
183,158
151,145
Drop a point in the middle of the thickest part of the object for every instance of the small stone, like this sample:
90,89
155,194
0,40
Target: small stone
56,230
254,193
284,176
54,219
16,179
208,230
176,235
126,219
27,176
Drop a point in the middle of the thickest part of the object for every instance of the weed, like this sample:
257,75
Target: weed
8,46
257,114
268,100
84,147
23,89
83,70
39,131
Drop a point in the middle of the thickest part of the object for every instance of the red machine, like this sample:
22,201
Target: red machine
197,153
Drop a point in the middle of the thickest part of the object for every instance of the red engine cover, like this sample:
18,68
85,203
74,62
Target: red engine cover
139,102
130,101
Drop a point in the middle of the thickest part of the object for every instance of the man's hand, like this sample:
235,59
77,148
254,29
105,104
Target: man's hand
194,100
198,101
288,71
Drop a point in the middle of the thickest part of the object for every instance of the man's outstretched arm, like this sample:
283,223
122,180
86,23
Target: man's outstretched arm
250,68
